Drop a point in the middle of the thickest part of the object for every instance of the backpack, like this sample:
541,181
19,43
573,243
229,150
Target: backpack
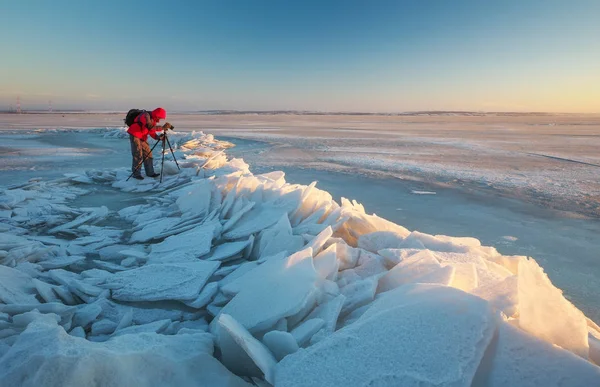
132,115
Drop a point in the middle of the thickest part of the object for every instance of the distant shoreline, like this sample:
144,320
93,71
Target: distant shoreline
318,113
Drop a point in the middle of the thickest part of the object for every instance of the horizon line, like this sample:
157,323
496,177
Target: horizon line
302,112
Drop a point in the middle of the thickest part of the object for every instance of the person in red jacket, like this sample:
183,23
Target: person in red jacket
145,124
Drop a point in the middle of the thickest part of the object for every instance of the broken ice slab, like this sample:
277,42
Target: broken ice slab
153,230
520,359
93,214
108,266
407,337
358,293
540,302
205,296
154,282
196,242
283,289
153,327
280,343
227,251
329,312
51,307
257,219
45,350
59,262
86,315
257,351
303,332
380,240
16,287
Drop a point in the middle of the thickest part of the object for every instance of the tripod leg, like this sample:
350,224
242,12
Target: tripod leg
162,165
142,162
172,153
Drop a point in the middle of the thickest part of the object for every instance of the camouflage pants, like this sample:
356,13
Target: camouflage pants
139,150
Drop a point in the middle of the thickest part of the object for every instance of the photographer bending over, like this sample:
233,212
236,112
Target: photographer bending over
145,124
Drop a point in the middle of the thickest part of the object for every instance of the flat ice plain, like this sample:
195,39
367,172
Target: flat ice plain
359,301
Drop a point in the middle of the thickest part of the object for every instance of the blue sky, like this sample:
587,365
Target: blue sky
374,56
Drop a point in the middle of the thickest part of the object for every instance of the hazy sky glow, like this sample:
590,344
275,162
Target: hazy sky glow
374,56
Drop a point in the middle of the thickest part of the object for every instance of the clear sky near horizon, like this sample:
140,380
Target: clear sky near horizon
371,56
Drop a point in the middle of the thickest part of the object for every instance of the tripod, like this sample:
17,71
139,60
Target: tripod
164,139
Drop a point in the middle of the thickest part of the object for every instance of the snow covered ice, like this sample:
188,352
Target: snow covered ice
221,277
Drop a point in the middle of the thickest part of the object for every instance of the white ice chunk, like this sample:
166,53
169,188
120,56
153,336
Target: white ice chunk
430,242
103,327
191,325
137,254
347,277
280,343
465,276
86,315
252,277
258,218
153,327
255,349
16,287
347,255
462,241
45,290
245,206
503,296
358,293
65,295
78,332
594,343
433,342
227,251
380,240
516,358
194,200
126,319
205,296
108,266
545,313
82,288
175,281
23,319
369,264
226,270
408,270
317,243
92,214
510,262
154,229
196,242
303,332
329,312
239,272
281,291
498,270
326,263
128,262
282,243
46,355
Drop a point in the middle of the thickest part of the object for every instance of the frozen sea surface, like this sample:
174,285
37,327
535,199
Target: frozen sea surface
218,274
25,155
565,245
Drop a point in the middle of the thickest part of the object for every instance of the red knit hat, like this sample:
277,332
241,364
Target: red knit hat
159,113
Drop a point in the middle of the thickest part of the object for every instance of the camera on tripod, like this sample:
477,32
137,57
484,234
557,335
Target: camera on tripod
163,139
